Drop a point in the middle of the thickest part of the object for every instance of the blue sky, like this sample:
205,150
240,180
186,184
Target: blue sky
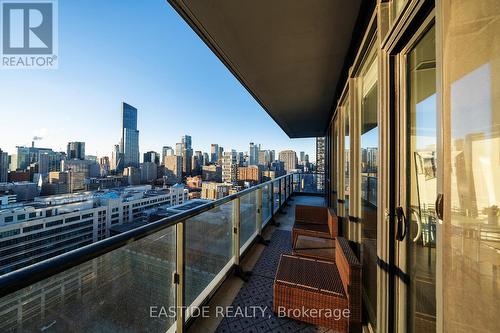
143,53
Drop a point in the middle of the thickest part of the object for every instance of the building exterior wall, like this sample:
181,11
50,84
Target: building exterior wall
289,158
32,233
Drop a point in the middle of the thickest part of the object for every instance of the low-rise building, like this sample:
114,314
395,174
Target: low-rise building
24,191
214,191
193,182
252,174
212,173
48,226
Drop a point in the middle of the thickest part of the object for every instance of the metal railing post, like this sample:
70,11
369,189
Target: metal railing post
236,241
236,231
271,189
273,221
281,201
179,278
258,216
279,198
290,187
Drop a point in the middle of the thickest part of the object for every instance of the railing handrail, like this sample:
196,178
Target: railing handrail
26,276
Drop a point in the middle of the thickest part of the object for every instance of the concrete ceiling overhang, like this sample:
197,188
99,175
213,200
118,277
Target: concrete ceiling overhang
289,54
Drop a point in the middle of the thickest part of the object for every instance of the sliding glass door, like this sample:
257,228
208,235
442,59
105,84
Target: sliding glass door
368,169
416,189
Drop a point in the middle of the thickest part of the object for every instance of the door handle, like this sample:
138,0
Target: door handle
439,206
419,225
402,224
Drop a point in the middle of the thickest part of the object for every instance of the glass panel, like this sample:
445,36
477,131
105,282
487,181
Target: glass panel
368,170
421,185
335,153
209,243
114,293
289,186
276,189
312,182
248,216
347,158
471,102
296,182
266,205
283,190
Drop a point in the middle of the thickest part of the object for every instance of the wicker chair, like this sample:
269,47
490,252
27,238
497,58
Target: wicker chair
314,221
317,285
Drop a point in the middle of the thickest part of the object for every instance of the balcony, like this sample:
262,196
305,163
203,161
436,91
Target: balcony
153,278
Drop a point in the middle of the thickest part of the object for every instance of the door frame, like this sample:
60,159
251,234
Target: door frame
399,190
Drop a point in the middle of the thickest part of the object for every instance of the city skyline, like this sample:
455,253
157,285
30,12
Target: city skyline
36,141
81,100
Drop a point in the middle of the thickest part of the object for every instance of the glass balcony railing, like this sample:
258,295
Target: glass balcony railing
309,183
148,278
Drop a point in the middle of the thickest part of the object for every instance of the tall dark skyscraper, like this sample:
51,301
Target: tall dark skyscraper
214,152
187,154
129,143
75,150
151,156
4,166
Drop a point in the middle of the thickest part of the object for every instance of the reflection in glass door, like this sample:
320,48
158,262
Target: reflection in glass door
333,161
347,162
421,185
369,175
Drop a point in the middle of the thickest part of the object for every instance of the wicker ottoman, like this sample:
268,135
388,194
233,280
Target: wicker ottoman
315,248
304,284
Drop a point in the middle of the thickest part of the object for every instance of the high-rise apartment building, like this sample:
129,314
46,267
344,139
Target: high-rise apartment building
178,149
149,172
206,159
90,168
75,150
166,151
219,155
104,165
320,154
173,169
302,156
129,144
264,158
4,166
187,154
230,167
151,156
289,158
320,162
241,159
196,163
115,157
214,152
30,156
253,153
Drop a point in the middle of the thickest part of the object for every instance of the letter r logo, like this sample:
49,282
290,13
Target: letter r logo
27,27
